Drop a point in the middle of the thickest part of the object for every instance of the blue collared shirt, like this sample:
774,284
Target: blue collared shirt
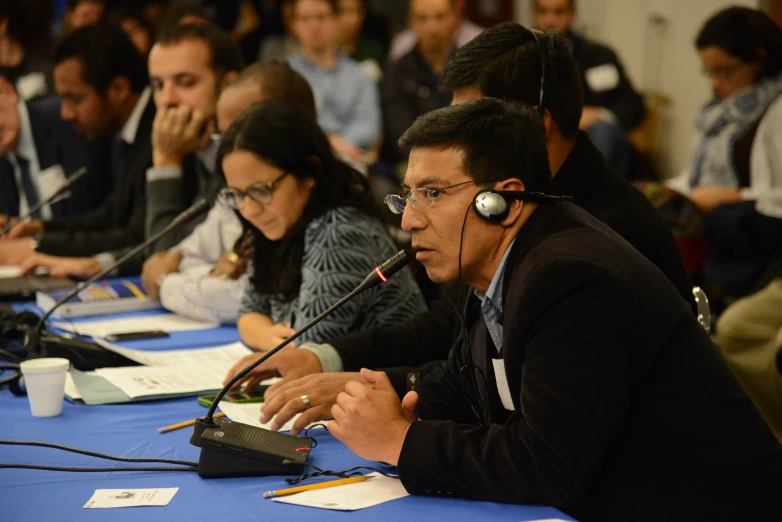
491,301
346,98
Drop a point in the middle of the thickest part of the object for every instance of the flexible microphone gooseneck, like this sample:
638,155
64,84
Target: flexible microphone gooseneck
379,275
59,195
230,449
35,337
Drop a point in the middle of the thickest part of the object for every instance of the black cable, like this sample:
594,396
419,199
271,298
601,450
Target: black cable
352,472
94,454
468,365
61,468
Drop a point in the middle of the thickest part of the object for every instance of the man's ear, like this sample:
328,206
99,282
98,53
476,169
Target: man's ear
547,123
514,205
227,78
118,90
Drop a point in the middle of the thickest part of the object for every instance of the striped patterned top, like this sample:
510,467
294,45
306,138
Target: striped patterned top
340,248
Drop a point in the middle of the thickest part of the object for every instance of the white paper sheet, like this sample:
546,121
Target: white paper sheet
71,391
142,381
163,322
224,356
350,497
117,498
250,413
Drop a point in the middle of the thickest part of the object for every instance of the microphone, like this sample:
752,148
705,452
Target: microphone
232,438
57,196
72,346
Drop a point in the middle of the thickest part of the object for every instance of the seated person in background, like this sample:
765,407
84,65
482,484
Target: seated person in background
368,52
480,68
406,41
103,84
587,384
346,98
282,44
21,62
81,13
203,277
131,20
188,67
734,176
612,107
316,234
410,87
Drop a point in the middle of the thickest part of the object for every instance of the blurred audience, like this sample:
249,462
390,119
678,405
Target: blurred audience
612,107
368,52
21,62
188,68
185,12
346,98
409,88
405,41
203,277
282,44
316,231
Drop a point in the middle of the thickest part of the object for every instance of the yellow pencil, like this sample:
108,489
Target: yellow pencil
322,485
166,429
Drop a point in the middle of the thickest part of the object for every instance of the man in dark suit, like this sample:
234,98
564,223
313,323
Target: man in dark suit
102,82
583,381
504,62
188,68
44,152
612,107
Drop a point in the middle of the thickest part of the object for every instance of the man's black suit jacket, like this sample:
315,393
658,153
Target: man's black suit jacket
57,143
119,222
622,408
595,188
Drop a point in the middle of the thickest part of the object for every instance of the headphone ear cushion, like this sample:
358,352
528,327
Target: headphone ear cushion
491,205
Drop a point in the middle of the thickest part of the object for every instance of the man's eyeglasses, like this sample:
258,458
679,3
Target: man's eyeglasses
260,193
422,198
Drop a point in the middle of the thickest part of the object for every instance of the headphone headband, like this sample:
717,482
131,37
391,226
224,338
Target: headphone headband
544,51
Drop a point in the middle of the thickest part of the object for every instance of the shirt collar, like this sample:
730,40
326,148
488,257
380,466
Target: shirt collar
494,292
25,146
130,129
208,155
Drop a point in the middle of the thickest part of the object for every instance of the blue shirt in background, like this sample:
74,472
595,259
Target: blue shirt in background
346,98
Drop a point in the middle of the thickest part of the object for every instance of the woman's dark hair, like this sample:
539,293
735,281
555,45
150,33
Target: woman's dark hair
748,34
284,136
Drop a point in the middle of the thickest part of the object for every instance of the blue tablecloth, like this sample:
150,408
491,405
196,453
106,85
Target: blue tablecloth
130,430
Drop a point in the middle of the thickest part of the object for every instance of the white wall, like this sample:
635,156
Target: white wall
625,26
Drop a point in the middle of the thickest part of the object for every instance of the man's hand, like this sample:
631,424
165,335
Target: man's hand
15,251
345,147
177,132
589,116
288,363
230,265
370,420
282,401
24,229
9,117
709,197
78,267
157,266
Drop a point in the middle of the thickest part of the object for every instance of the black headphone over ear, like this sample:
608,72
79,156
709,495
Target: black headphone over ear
493,205
544,52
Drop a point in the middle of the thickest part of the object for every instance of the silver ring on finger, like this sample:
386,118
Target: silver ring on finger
306,401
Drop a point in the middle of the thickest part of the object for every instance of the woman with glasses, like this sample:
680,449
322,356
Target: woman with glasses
741,53
316,231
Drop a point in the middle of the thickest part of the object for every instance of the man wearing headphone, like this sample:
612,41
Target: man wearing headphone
582,380
507,61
